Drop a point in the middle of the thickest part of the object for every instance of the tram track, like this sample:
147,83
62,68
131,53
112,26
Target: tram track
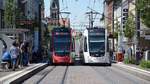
64,76
50,75
102,73
45,74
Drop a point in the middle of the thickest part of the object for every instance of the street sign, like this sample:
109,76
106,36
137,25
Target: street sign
124,13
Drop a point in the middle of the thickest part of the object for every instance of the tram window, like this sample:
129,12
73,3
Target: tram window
85,45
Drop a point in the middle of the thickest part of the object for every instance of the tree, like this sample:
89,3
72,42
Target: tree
129,30
19,16
117,30
143,6
9,13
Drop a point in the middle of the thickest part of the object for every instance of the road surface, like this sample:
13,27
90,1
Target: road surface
84,75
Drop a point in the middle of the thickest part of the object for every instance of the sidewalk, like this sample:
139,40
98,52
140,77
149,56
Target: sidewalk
137,66
10,71
16,77
134,69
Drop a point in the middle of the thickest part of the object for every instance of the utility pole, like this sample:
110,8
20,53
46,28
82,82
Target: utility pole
40,3
68,13
113,26
137,25
91,19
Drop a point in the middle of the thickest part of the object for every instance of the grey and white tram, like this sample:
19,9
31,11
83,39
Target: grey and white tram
95,46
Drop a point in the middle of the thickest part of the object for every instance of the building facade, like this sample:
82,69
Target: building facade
29,10
122,10
109,14
1,14
54,12
108,17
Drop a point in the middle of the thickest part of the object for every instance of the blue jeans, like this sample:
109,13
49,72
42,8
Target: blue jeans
14,60
25,58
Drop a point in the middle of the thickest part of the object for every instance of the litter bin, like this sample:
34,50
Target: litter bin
119,57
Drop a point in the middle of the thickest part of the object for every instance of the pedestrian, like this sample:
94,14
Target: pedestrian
7,58
138,55
129,52
22,51
25,47
18,55
14,53
142,54
111,54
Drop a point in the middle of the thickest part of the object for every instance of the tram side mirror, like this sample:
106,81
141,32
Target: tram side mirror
73,50
107,45
85,44
73,45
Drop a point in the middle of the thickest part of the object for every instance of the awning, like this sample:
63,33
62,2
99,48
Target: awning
13,31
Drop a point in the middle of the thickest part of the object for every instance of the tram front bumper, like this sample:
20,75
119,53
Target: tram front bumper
102,59
65,59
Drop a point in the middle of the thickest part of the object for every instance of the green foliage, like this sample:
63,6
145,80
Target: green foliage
9,13
129,28
115,34
143,6
102,18
128,61
19,16
145,64
117,29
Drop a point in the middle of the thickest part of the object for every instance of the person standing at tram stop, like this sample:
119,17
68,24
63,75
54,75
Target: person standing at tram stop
25,48
18,55
14,54
111,54
6,57
138,55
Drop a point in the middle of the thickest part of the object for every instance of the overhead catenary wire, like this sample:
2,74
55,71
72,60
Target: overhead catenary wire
66,2
94,3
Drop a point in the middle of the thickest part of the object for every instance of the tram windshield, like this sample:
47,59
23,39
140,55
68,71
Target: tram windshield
62,44
97,42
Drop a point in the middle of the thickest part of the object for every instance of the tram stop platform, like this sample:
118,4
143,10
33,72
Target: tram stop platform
19,75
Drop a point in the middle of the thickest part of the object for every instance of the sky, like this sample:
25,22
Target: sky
78,9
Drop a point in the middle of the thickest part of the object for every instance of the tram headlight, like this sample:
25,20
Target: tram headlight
96,55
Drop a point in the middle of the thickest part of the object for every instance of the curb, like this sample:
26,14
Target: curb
133,70
20,76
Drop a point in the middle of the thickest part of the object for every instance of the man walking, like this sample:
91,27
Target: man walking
14,53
